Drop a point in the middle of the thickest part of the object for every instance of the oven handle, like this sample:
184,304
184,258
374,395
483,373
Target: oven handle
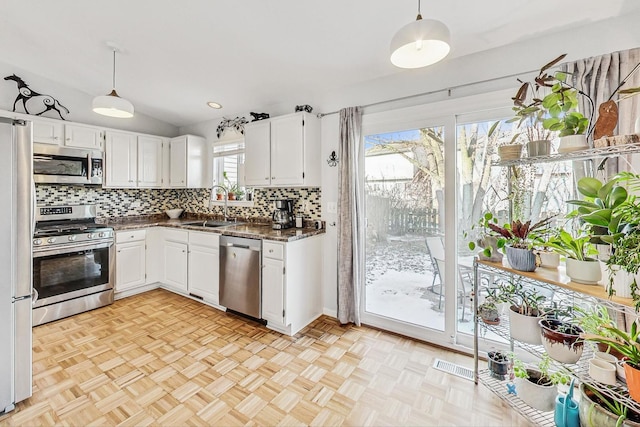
71,248
34,296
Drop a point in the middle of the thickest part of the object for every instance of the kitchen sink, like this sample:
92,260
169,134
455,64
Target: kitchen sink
212,224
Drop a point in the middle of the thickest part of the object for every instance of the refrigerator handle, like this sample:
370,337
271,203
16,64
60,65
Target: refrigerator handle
33,207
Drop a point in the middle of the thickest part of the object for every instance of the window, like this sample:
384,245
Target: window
228,166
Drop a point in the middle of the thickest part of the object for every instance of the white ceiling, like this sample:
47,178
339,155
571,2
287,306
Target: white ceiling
252,54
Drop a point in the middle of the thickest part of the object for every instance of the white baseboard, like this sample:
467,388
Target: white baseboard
330,313
135,291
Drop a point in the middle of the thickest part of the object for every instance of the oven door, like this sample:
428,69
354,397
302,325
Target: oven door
72,271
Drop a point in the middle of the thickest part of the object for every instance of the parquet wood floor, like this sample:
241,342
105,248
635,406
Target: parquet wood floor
161,359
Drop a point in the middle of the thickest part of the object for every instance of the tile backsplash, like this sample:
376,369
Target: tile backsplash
128,202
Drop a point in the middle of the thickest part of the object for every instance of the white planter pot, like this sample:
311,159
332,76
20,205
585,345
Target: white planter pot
549,259
622,281
542,398
524,328
571,143
585,272
603,372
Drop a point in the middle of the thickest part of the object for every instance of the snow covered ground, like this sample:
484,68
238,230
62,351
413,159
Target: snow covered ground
398,284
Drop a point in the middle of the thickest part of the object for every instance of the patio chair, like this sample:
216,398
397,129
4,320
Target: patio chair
465,275
435,250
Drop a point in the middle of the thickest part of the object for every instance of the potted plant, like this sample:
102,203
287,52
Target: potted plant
518,239
487,241
536,387
488,311
628,344
580,267
525,310
591,320
624,266
561,340
598,410
499,363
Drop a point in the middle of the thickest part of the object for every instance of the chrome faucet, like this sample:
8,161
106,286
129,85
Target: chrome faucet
226,198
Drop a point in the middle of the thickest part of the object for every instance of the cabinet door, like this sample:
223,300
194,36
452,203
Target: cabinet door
175,265
121,160
178,162
47,132
273,291
149,161
204,269
287,161
257,168
83,137
130,265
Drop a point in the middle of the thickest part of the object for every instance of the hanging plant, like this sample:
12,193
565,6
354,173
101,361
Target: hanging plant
236,124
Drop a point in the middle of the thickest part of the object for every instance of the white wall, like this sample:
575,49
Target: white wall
78,103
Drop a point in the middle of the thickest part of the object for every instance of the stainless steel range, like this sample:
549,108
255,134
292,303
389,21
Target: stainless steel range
73,262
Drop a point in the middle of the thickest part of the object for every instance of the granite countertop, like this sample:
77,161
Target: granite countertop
252,230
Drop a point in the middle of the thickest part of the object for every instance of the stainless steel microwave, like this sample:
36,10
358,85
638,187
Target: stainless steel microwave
61,165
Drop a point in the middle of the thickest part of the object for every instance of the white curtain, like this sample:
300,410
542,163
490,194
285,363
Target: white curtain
350,217
599,76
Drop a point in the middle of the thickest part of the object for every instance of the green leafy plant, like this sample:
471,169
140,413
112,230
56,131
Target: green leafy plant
617,408
518,234
526,299
547,377
483,223
626,343
593,318
571,247
561,105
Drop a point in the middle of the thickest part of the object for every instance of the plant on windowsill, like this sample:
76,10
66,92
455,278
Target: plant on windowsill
485,240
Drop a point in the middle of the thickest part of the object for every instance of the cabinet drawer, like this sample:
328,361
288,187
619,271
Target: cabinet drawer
130,236
211,240
272,250
181,236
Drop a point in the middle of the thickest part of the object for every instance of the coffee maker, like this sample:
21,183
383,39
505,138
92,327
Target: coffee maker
283,215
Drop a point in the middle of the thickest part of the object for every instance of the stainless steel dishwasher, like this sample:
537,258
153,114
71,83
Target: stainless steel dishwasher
240,278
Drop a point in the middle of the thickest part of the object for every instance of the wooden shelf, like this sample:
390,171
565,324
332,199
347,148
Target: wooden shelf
558,278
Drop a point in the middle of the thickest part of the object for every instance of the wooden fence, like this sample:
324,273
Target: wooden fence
411,221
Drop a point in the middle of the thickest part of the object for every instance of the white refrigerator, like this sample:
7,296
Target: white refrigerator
17,195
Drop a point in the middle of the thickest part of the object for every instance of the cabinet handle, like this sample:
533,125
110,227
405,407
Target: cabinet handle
68,139
270,251
132,237
55,138
267,179
119,250
273,177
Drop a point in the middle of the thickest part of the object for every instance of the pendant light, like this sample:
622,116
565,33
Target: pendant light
420,43
111,104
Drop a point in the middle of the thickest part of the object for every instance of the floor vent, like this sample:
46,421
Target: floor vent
452,368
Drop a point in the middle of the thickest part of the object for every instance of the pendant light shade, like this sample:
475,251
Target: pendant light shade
420,43
111,104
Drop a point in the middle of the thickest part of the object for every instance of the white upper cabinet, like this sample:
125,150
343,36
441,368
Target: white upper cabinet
288,154
133,161
189,162
257,167
150,161
121,160
83,136
48,131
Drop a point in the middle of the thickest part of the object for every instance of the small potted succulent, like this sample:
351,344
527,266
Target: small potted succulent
488,311
499,363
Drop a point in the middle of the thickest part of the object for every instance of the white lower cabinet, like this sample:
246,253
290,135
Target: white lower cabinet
175,259
204,266
130,260
291,283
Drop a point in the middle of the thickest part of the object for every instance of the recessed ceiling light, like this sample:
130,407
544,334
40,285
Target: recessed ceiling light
214,105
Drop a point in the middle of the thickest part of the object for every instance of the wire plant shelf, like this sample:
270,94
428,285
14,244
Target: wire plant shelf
592,153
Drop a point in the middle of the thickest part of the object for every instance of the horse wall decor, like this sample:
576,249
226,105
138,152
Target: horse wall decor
25,93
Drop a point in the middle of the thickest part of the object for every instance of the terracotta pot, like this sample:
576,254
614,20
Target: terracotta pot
219,196
606,349
585,272
231,196
521,259
565,347
524,328
632,375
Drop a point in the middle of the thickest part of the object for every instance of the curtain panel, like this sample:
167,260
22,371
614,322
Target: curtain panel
350,217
